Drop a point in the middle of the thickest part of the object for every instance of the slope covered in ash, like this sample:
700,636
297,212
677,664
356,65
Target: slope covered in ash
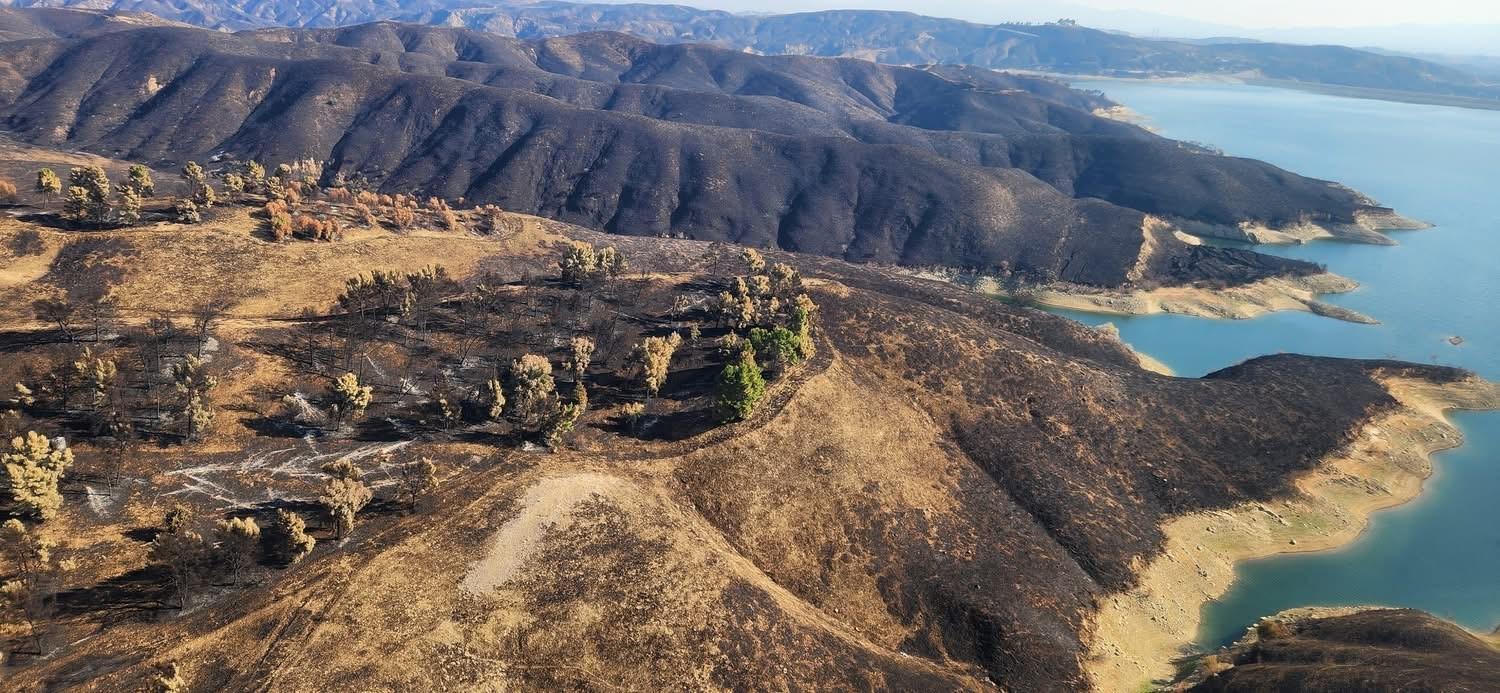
1374,650
892,37
939,499
609,132
975,117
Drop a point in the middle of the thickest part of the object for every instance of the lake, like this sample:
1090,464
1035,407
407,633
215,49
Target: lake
1441,552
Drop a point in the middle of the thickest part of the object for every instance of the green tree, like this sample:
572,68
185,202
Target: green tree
561,423
741,387
30,472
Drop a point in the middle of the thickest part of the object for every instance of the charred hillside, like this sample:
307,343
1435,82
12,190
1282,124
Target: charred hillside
939,497
1375,650
902,38
843,158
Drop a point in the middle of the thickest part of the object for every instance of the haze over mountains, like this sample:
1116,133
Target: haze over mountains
952,167
893,37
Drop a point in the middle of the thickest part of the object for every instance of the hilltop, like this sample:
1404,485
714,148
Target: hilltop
937,490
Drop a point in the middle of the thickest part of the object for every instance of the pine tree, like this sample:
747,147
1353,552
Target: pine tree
48,185
186,556
350,398
194,383
255,177
287,539
30,472
38,574
417,478
655,354
238,538
344,495
534,396
139,180
88,198
741,387
130,205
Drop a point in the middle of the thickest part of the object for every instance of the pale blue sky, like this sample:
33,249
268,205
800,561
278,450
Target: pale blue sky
1285,13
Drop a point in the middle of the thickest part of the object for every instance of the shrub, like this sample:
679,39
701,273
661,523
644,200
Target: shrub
186,212
363,213
402,218
7,190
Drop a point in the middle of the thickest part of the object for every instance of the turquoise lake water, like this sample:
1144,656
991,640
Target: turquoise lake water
1441,552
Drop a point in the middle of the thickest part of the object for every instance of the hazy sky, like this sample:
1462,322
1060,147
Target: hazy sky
1286,13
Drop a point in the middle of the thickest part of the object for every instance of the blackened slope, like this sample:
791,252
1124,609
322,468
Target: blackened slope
173,94
979,118
892,37
1375,650
21,24
1065,469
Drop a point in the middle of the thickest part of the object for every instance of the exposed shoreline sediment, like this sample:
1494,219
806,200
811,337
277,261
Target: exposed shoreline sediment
1368,227
1136,635
1235,302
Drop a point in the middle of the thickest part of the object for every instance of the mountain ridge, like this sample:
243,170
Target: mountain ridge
676,154
885,36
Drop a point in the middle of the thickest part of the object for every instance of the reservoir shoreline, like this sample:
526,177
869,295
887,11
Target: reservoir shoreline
1138,636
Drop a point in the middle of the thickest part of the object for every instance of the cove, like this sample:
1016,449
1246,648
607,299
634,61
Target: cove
1441,552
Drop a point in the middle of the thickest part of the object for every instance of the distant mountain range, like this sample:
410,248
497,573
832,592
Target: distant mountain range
945,166
889,37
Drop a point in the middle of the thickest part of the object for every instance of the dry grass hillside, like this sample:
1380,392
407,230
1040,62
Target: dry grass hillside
937,498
